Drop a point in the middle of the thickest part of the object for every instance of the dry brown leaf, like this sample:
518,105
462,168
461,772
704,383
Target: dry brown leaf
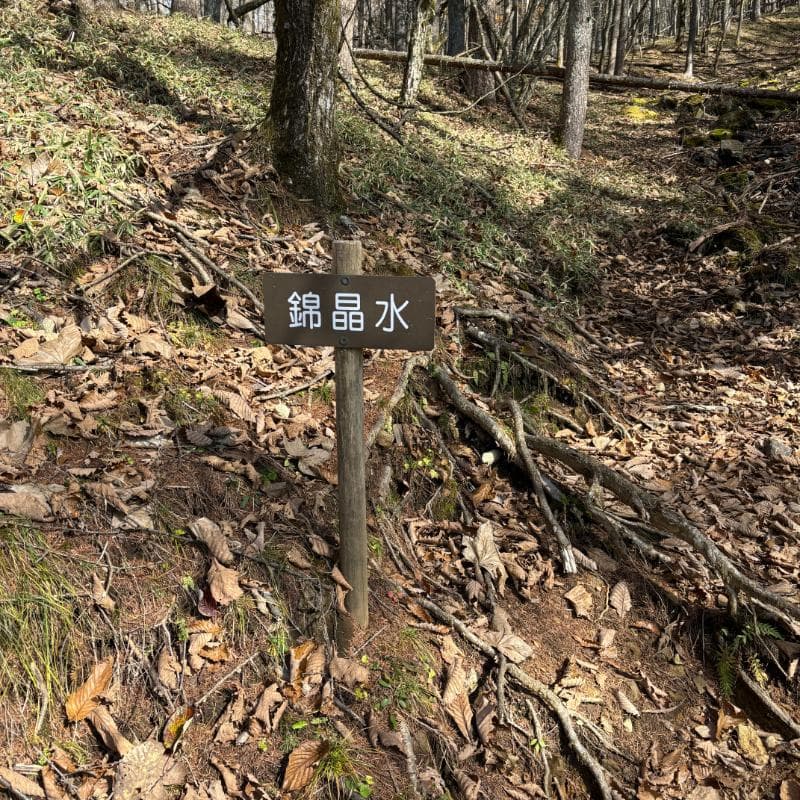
302,761
620,599
145,772
52,791
510,645
60,350
320,546
482,551
450,651
580,599
456,700
270,697
169,669
27,500
212,536
100,595
605,637
19,783
627,704
340,579
107,730
223,583
469,788
204,626
297,558
82,702
484,721
348,671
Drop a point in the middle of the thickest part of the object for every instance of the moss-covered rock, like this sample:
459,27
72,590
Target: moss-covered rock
718,134
733,180
640,113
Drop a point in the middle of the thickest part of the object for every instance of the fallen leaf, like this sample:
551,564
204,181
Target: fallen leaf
81,702
100,595
482,551
620,599
108,731
27,500
627,704
176,726
19,783
348,671
223,583
484,721
469,788
60,350
302,761
212,536
297,558
145,772
510,645
581,600
151,345
456,700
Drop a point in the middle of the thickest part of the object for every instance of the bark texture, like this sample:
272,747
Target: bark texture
421,14
302,105
575,96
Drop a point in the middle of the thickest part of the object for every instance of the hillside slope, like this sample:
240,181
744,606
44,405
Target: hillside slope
169,480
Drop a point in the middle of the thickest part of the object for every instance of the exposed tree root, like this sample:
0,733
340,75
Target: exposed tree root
567,556
398,394
537,689
647,506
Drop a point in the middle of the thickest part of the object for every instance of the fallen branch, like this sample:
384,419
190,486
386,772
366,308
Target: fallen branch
772,707
567,556
205,260
595,81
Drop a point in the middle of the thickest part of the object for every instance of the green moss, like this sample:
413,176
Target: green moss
718,134
640,114
445,506
21,392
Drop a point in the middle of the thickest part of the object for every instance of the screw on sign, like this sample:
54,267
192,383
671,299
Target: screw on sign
350,311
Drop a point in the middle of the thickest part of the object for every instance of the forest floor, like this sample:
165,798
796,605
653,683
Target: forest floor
168,480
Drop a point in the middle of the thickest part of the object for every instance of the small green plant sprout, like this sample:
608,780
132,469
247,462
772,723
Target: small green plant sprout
738,649
187,582
363,787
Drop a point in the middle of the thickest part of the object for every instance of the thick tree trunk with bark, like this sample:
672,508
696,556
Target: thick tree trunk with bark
622,39
302,105
575,95
421,17
456,27
478,85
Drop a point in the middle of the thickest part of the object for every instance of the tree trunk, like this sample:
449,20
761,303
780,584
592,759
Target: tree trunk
456,27
622,39
756,10
189,7
739,25
478,85
575,95
691,40
302,105
614,36
421,16
346,44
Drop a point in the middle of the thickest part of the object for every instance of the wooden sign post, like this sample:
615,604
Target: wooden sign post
353,545
350,311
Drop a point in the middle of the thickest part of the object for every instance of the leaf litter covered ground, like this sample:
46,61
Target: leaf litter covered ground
169,480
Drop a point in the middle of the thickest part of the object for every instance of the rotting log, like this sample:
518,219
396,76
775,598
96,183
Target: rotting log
595,81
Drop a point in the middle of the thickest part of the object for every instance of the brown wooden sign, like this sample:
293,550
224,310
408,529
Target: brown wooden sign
354,311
